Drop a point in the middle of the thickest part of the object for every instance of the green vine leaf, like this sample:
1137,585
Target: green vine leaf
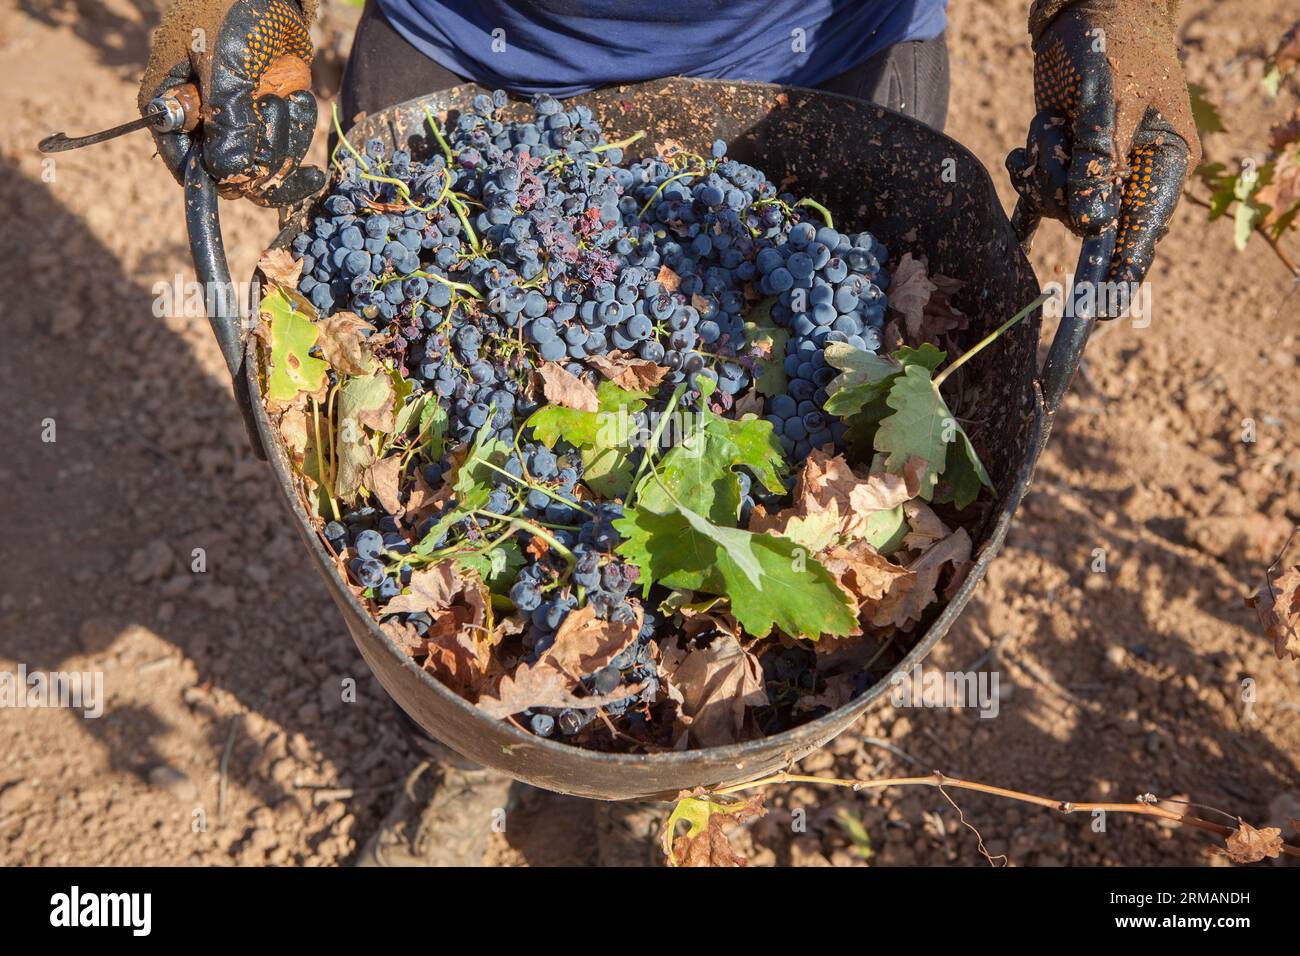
699,472
1204,113
770,581
769,339
293,334
497,566
892,405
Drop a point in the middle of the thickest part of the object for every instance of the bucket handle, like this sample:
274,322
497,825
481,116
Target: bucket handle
1077,323
203,223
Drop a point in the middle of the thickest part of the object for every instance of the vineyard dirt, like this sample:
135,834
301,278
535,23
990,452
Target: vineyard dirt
223,738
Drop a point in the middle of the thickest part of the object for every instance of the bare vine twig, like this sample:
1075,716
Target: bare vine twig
940,781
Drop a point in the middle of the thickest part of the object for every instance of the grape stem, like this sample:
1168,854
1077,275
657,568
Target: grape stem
544,490
622,143
320,462
655,436
989,339
814,204
437,134
1147,807
343,140
671,179
534,529
458,286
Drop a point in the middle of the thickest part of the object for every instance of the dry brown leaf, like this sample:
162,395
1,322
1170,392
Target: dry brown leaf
718,684
828,483
926,526
941,317
584,643
383,478
342,344
405,636
280,267
456,645
293,429
561,387
749,403
1283,191
910,289
433,589
424,501
627,371
668,279
864,574
540,686
458,650
710,846
837,692
1278,607
1250,845
908,598
885,491
924,301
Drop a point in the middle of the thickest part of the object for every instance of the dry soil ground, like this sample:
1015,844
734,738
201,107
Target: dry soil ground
1114,684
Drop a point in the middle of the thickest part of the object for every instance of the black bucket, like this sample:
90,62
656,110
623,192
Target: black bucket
917,190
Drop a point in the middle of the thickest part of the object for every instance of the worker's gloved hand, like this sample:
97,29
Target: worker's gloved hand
241,55
1114,137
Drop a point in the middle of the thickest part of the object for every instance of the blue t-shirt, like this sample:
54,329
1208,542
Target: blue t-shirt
567,47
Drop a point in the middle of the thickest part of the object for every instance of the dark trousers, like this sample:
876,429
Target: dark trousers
384,70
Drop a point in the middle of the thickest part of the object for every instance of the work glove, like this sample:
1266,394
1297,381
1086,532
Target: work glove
1114,137
245,56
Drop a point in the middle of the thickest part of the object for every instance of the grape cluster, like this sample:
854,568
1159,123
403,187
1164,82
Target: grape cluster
829,288
521,243
533,244
604,583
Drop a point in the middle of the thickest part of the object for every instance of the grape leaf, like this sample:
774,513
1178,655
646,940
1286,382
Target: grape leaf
433,430
769,340
342,344
471,484
886,530
963,474
1204,113
292,335
411,412
498,567
588,429
603,437
474,478
866,377
891,405
606,471
705,841
769,580
918,428
368,400
699,471
365,406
